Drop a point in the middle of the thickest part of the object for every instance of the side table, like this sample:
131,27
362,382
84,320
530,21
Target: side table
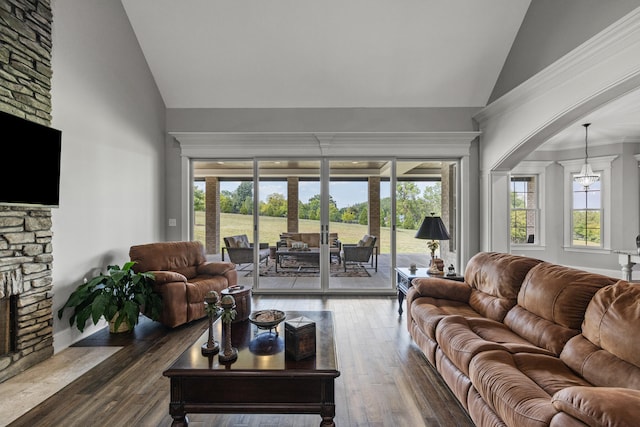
404,276
242,295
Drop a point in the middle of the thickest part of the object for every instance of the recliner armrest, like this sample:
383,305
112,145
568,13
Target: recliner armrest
437,287
161,277
611,406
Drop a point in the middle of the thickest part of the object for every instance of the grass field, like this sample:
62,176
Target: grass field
271,227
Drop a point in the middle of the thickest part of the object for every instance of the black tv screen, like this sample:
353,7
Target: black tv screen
30,167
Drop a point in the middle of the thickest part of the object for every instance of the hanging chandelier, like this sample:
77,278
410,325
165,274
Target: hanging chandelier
586,177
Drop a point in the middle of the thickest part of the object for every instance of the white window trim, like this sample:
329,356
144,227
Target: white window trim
601,165
537,169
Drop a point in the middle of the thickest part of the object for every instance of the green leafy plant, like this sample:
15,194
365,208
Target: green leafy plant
120,291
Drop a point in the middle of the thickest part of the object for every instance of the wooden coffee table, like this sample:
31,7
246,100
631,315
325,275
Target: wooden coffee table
262,379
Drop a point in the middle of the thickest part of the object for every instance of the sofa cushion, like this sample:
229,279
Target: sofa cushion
560,294
612,321
551,304
427,312
189,272
518,387
610,337
600,406
460,339
495,280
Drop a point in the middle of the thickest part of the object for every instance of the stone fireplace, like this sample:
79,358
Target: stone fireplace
26,318
25,288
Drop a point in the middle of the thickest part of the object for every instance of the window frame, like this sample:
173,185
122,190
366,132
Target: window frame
602,166
538,170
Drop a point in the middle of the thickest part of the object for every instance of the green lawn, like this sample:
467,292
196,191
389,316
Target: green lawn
271,227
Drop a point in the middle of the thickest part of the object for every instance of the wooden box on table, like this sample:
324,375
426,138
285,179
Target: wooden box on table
300,338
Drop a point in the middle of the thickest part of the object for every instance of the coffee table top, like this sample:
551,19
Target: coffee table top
261,351
298,251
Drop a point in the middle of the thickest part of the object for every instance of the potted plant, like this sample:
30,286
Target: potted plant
118,296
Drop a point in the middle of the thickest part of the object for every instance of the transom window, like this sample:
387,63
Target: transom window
586,215
524,208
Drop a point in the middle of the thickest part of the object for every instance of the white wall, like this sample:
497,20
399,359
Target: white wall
604,68
112,117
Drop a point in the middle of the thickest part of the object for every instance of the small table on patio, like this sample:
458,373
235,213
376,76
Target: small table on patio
310,256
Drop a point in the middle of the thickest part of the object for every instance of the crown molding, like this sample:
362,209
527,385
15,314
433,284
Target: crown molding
249,145
618,37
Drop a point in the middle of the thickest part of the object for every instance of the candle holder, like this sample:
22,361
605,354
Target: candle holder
228,305
212,308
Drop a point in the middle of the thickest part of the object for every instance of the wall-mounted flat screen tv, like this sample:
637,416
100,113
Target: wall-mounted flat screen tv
30,167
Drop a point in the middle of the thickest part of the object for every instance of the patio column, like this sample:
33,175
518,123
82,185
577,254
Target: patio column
292,204
374,207
212,215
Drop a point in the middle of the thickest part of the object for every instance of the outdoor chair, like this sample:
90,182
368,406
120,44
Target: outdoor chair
241,251
364,251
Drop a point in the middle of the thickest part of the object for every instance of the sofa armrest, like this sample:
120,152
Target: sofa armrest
437,287
214,268
162,277
610,406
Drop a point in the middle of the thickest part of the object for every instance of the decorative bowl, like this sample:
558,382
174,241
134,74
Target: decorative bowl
267,319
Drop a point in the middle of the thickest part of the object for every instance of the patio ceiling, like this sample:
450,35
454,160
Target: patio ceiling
311,168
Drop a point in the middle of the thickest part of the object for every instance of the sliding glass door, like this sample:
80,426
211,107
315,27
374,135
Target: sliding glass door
289,213
322,225
359,209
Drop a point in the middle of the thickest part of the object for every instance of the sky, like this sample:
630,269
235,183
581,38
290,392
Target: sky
344,193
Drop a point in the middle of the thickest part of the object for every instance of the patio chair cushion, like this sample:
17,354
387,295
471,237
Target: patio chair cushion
366,241
240,241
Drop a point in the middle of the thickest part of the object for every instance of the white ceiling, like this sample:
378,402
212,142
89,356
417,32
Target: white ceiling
615,122
329,53
344,53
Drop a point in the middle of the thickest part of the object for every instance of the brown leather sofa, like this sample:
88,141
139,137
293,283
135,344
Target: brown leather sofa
182,277
523,342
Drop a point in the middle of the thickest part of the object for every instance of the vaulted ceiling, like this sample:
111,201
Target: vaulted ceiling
343,53
330,53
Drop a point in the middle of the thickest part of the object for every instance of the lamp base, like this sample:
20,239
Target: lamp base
436,267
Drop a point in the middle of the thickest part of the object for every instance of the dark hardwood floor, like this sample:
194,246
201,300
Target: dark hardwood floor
384,381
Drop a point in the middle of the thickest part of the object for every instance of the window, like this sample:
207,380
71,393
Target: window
523,201
587,224
586,215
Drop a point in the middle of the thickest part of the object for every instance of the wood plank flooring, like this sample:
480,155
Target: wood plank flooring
384,381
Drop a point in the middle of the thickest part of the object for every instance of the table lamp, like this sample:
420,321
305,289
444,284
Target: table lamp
433,228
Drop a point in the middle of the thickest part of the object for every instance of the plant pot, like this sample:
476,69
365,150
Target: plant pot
123,328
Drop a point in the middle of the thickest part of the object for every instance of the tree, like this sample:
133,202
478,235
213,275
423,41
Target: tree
432,196
276,205
409,213
348,215
198,199
243,197
364,216
226,202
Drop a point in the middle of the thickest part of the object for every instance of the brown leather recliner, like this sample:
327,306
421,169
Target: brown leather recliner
183,277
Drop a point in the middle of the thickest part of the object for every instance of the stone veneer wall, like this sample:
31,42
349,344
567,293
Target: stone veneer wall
25,233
